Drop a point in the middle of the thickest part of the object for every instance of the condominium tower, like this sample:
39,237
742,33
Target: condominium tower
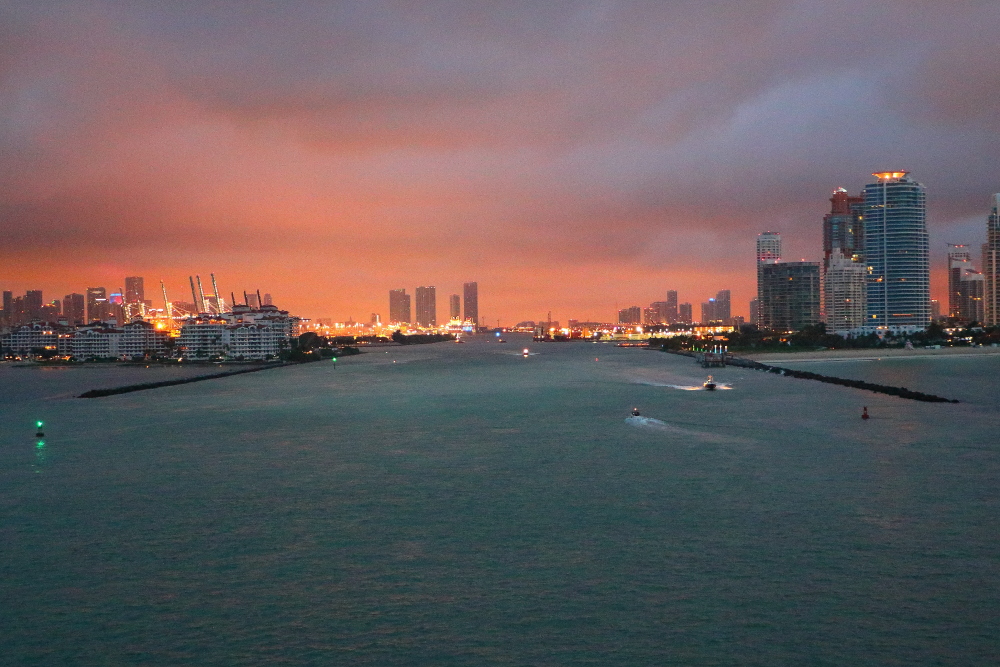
789,295
991,264
959,260
768,252
399,307
843,226
897,253
426,306
471,294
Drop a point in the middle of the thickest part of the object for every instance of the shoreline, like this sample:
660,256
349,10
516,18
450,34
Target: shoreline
867,354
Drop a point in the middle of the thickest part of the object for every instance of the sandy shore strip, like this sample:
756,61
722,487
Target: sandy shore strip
865,355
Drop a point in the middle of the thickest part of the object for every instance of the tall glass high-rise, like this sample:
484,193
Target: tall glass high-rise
897,252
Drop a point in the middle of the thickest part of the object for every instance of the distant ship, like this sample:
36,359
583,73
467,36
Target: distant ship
709,384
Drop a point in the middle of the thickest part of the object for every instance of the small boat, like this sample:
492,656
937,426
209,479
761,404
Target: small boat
525,352
635,412
709,384
501,340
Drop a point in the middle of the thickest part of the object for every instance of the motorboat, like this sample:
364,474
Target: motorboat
709,384
635,412
525,352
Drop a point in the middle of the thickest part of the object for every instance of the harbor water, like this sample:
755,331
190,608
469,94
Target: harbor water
472,505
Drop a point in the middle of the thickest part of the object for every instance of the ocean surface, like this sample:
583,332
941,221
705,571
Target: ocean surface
468,505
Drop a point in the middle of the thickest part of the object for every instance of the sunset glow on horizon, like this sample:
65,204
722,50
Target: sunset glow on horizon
572,157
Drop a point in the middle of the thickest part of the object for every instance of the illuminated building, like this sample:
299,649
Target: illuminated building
399,307
25,339
897,253
659,312
708,312
843,226
141,338
426,306
454,307
74,309
959,259
243,334
755,312
471,294
768,252
972,292
844,292
723,306
717,309
50,312
991,265
134,290
630,315
97,304
789,297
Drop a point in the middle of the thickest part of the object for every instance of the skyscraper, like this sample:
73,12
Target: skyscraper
33,301
971,289
658,313
768,252
671,313
471,293
723,306
991,265
426,306
843,226
844,289
73,309
455,307
97,304
708,313
134,290
789,297
958,260
897,253
630,315
684,313
399,307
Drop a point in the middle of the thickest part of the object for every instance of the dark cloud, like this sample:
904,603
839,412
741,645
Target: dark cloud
607,150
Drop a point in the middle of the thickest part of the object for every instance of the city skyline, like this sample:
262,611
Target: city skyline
575,157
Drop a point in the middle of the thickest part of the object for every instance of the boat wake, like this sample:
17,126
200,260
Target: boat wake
652,424
683,387
649,422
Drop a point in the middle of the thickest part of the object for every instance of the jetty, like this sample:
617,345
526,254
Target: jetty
901,392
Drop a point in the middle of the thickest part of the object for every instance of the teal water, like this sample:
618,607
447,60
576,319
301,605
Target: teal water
465,505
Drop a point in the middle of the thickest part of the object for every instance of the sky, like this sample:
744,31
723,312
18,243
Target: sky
572,157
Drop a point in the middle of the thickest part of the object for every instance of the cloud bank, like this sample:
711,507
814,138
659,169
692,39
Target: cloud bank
569,156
